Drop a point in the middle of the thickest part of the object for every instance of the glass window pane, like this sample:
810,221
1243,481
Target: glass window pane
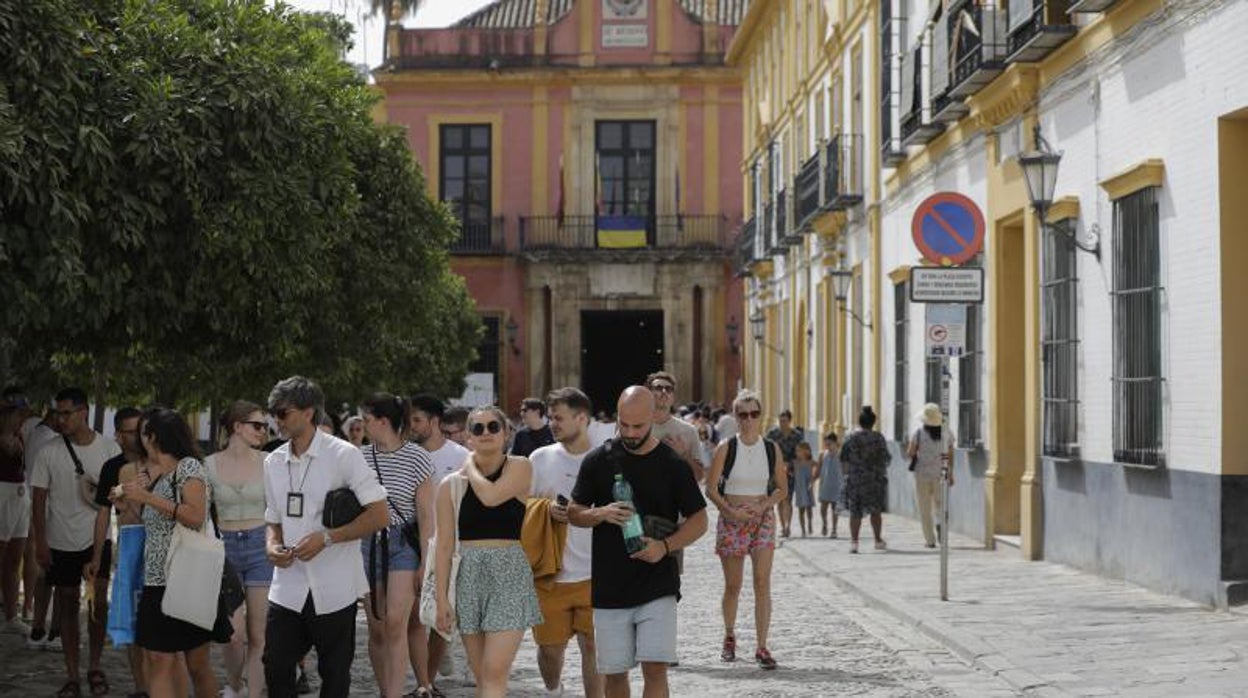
641,135
480,138
610,136
452,137
453,168
452,189
479,166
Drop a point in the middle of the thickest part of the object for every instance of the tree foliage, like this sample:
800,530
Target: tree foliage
195,201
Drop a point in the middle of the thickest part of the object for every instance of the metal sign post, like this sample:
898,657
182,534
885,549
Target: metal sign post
943,529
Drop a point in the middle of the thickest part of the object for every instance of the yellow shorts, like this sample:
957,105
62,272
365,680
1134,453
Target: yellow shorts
567,609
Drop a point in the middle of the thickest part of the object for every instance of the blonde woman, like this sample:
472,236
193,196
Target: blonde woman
494,595
236,474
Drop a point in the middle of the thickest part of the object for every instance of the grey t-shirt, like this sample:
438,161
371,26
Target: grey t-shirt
685,435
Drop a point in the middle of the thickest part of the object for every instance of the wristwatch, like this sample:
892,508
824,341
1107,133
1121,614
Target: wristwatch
328,539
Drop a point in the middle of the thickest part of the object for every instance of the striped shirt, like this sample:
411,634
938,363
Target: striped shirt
401,472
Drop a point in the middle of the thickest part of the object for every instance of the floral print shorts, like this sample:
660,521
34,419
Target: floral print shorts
740,538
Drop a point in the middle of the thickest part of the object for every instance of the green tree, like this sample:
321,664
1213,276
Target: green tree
195,201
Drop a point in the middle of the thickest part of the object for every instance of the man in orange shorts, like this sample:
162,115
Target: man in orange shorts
566,604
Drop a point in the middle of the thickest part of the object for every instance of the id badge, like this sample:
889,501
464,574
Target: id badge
294,505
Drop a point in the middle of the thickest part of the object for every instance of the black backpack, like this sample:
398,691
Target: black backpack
730,459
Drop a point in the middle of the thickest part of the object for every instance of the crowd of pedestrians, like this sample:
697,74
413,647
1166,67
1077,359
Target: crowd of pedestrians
453,532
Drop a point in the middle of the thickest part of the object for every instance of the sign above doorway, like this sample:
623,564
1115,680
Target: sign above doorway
948,229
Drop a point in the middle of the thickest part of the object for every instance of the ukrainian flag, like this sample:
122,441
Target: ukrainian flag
621,232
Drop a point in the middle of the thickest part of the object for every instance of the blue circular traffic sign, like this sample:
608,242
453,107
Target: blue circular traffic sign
948,229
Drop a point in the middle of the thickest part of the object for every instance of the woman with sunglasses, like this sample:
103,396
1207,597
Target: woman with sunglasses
494,595
236,474
748,477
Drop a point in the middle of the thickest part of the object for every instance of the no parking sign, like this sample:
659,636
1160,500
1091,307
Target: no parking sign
948,229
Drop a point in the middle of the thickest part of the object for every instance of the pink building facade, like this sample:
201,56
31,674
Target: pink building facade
591,150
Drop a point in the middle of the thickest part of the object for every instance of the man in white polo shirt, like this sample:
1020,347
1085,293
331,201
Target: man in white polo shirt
566,604
317,577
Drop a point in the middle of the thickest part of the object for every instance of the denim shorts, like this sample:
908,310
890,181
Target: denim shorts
246,552
623,637
403,558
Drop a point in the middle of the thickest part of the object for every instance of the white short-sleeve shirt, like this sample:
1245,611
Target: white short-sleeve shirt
335,577
71,523
447,459
554,473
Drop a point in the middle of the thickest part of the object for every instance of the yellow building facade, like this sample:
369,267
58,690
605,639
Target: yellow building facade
1094,404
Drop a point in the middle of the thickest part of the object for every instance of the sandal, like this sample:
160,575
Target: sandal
97,682
71,689
729,653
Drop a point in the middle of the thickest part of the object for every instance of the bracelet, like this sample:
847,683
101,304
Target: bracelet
667,549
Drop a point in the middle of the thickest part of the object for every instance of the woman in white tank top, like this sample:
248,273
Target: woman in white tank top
746,488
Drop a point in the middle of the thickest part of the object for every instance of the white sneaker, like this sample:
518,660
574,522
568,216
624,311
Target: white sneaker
33,644
228,692
15,626
558,691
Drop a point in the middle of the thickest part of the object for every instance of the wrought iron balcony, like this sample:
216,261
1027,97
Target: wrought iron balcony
807,189
946,109
1037,27
481,238
917,127
1090,6
693,233
844,161
745,250
789,232
977,45
771,232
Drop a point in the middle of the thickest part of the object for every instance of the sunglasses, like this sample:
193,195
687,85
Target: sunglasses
280,413
479,428
662,388
750,414
260,426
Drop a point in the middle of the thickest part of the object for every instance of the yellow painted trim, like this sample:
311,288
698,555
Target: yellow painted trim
742,39
829,224
763,269
710,150
1063,209
1141,175
663,31
539,203
1005,97
434,166
522,78
1233,212
585,23
900,274
1105,28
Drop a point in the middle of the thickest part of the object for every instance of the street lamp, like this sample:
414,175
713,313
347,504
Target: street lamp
842,279
1040,173
758,328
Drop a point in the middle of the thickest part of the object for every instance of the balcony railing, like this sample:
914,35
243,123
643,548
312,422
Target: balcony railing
745,250
467,47
917,126
1036,28
790,234
684,232
843,184
977,37
771,228
806,186
481,238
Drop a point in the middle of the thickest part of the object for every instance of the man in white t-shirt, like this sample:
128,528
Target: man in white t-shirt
63,524
425,428
566,603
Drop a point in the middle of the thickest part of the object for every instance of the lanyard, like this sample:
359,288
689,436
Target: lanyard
291,478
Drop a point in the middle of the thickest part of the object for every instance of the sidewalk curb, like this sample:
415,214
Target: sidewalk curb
970,648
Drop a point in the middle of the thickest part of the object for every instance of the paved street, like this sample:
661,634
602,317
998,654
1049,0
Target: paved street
828,642
872,624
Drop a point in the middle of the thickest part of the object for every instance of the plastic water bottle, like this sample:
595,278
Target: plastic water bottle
623,492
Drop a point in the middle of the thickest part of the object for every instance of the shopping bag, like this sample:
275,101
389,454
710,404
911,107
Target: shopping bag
127,584
428,603
193,577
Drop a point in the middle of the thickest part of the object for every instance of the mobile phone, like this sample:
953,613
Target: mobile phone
561,500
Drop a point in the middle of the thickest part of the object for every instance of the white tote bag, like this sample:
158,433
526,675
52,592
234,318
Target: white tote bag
193,574
429,587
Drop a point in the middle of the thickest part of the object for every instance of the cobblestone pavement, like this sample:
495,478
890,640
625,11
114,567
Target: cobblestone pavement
827,641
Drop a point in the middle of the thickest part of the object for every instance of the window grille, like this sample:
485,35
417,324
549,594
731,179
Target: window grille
931,380
1137,379
465,177
970,396
901,329
1059,344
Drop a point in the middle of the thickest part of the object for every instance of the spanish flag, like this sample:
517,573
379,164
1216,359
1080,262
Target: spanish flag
621,232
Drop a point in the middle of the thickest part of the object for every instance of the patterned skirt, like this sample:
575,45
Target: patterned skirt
494,591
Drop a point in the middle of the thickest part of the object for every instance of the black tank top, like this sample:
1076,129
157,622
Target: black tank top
479,522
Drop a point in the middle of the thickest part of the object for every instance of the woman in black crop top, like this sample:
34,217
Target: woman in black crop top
492,565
